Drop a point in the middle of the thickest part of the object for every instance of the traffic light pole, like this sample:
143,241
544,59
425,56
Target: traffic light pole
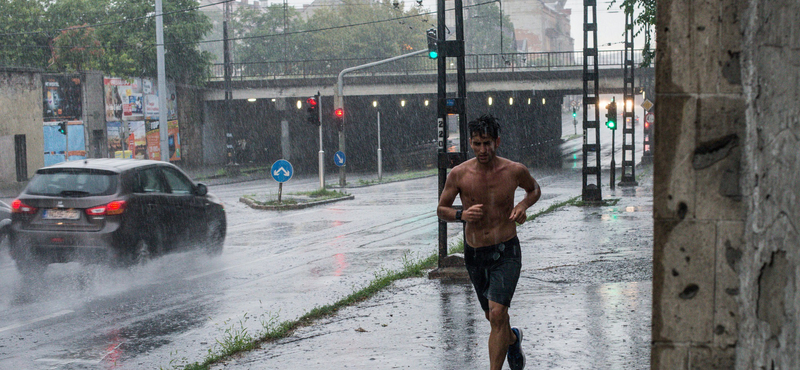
613,161
628,116
339,100
321,151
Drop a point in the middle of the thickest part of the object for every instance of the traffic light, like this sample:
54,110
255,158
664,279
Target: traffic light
62,128
574,112
433,50
611,116
312,108
338,118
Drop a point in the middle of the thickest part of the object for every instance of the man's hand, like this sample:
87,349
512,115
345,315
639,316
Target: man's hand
472,214
518,215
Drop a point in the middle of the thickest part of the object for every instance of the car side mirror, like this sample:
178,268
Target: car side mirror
201,189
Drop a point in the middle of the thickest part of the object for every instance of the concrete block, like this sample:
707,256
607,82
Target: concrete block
729,252
720,115
683,291
674,72
674,178
719,188
666,356
701,358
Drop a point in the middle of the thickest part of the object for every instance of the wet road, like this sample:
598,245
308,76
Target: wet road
275,264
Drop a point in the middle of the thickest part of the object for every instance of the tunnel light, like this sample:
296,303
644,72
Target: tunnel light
529,101
251,100
402,103
426,102
374,103
299,104
490,101
511,101
273,100
543,101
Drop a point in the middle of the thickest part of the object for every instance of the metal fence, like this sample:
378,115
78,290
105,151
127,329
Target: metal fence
507,62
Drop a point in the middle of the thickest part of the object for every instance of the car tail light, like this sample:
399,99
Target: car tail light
114,208
18,207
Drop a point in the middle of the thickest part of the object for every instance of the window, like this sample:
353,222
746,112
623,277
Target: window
148,181
73,182
178,183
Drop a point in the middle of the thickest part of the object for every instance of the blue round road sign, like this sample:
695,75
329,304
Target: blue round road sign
339,158
281,170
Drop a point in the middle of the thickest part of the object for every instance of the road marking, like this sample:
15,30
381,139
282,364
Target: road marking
43,318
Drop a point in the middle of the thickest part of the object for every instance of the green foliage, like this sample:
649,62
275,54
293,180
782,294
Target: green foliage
21,23
76,49
116,37
644,22
355,29
482,27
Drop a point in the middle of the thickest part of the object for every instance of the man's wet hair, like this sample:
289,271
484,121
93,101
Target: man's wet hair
485,125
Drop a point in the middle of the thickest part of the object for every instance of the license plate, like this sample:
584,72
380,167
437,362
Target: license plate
61,214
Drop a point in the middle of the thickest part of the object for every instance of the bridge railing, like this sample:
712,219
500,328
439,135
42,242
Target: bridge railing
506,62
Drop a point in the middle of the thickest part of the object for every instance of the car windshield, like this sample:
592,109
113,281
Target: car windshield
73,183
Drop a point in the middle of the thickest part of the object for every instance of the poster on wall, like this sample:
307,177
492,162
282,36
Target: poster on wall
137,139
173,141
116,137
124,99
67,145
62,97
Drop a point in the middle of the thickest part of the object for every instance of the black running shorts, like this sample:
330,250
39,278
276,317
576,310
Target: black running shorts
494,271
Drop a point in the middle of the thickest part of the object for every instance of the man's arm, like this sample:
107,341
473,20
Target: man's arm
445,210
532,194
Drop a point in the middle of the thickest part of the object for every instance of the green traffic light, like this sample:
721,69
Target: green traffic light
433,54
611,125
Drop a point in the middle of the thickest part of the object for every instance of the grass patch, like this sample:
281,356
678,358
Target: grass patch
398,177
296,198
236,338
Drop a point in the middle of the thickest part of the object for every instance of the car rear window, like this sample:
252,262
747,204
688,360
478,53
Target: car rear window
73,183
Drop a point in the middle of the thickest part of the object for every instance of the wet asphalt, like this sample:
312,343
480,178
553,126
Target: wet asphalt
583,302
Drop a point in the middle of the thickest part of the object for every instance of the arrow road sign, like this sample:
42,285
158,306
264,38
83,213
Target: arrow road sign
281,170
339,158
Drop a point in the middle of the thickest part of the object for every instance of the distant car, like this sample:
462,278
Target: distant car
125,211
5,220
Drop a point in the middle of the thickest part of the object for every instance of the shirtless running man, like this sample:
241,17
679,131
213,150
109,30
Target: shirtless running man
486,185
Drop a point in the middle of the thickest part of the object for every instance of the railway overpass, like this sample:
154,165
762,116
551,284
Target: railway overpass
525,91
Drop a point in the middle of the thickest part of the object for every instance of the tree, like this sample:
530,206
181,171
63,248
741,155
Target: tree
24,44
353,29
644,22
261,38
76,49
482,26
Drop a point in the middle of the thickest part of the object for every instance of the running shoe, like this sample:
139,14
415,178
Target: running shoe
516,359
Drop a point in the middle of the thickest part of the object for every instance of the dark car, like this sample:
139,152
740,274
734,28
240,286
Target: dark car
125,211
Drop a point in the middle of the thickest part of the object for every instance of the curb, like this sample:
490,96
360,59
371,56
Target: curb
252,204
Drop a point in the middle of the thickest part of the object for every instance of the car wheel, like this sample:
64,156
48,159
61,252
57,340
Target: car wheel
215,238
147,248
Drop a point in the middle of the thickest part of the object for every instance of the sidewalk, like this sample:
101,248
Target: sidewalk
583,302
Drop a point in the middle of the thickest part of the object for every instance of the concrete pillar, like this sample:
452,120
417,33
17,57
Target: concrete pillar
699,212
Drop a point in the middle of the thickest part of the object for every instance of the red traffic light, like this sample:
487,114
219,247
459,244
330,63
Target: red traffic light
339,112
312,102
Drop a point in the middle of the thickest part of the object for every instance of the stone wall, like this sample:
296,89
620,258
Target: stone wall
21,112
770,264
726,261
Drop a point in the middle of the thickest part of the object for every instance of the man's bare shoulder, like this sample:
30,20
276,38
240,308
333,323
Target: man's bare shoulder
463,167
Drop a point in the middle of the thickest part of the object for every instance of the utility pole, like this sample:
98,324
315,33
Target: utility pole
229,147
162,84
450,110
591,191
628,115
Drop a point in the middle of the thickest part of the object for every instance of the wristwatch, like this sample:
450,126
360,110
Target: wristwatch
458,215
